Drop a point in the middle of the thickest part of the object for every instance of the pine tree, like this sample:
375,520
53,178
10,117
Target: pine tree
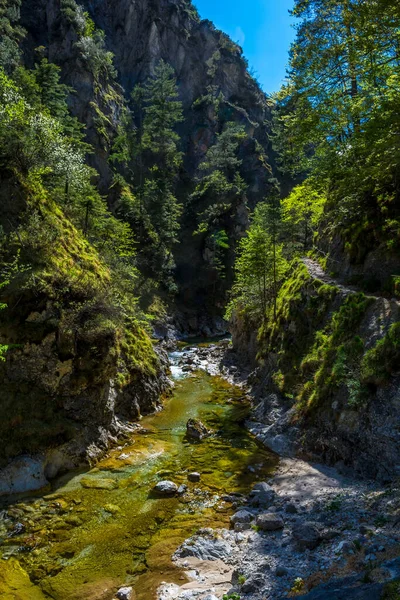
154,152
260,267
11,33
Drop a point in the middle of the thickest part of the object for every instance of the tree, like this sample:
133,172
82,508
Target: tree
302,210
259,269
337,118
219,190
151,147
10,34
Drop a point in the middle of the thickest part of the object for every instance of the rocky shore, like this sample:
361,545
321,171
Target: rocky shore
309,532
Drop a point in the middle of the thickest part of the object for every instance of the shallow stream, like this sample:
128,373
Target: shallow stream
103,528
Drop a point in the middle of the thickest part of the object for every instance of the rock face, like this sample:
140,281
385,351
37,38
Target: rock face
204,547
23,474
195,430
59,399
351,423
208,65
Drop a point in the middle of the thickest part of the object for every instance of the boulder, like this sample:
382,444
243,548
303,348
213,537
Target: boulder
195,430
23,474
306,535
194,477
262,495
205,548
242,516
166,488
253,584
269,522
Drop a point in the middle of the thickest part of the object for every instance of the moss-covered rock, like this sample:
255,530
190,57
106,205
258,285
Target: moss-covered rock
333,354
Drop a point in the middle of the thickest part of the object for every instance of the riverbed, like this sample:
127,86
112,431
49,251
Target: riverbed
103,528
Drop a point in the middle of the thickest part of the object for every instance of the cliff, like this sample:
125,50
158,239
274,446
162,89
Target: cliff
327,377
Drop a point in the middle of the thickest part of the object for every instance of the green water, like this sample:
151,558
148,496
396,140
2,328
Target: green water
102,529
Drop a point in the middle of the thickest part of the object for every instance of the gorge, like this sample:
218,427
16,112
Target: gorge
199,306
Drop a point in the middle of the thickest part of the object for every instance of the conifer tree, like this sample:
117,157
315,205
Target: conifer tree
219,189
153,149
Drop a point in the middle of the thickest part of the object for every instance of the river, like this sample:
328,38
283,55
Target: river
103,528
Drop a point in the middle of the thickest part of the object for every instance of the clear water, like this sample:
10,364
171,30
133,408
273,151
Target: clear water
103,528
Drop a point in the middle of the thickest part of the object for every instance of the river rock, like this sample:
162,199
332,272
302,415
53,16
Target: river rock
269,522
194,477
242,516
125,593
195,430
252,584
262,495
205,548
166,488
99,484
306,535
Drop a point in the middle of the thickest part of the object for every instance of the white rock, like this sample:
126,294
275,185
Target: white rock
124,593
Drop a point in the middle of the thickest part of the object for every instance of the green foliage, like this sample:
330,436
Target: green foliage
392,591
302,211
382,361
336,504
234,596
241,579
92,51
297,586
148,152
337,118
77,251
34,143
10,34
220,188
163,112
260,268
222,156
7,272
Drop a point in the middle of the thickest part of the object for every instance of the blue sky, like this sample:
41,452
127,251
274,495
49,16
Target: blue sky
262,28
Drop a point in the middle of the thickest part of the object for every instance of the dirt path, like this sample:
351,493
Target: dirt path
317,272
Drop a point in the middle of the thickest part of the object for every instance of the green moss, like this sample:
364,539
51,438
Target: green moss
316,344
382,361
302,308
392,591
108,529
336,354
